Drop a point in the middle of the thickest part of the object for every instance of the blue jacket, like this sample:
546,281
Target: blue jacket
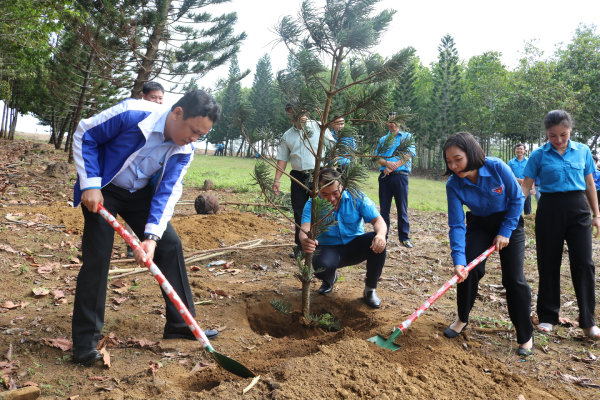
104,145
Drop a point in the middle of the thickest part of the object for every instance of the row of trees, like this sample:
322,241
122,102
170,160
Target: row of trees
498,105
63,60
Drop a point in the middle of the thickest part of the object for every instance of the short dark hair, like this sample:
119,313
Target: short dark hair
199,103
328,175
288,106
595,157
519,145
558,117
151,87
467,143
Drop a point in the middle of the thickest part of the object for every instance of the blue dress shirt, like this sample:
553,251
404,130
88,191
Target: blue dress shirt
349,142
596,176
497,190
148,161
349,215
397,140
518,166
558,173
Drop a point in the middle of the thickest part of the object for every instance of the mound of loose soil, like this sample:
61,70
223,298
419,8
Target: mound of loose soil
207,231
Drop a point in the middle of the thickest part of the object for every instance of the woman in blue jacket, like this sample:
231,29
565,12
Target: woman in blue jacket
565,169
487,186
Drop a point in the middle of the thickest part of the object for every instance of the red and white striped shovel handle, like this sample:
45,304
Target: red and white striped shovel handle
189,320
443,290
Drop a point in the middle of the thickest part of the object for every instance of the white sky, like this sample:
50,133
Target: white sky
476,26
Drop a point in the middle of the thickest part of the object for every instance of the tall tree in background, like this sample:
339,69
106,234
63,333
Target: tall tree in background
263,100
446,95
169,45
230,100
578,65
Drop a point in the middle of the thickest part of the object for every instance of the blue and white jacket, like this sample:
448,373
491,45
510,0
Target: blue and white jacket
105,145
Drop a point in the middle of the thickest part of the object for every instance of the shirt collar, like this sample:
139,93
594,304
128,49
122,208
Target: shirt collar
548,146
160,124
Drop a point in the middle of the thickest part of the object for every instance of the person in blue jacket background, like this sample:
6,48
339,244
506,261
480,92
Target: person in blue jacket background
596,176
565,169
131,158
487,186
517,165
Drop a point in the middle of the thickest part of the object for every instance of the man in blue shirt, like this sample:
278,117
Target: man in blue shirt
517,165
132,158
348,141
393,180
346,243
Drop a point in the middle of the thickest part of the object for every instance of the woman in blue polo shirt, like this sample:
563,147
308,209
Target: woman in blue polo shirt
565,170
487,186
346,242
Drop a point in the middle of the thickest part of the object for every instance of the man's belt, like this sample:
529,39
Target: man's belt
396,172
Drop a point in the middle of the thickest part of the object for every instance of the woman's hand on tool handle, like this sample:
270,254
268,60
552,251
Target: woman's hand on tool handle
501,242
91,198
148,246
461,272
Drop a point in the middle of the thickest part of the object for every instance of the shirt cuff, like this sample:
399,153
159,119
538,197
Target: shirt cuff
460,259
91,183
504,231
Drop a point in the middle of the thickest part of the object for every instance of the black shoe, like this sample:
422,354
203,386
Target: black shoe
86,355
526,352
407,244
129,251
297,253
184,332
326,288
451,334
371,299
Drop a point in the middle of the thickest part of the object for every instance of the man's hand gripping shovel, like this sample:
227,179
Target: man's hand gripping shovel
389,343
227,363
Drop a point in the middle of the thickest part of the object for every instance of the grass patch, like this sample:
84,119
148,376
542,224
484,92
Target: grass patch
234,172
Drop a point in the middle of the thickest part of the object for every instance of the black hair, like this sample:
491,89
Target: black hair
151,87
558,117
519,145
467,143
328,175
595,157
199,103
288,106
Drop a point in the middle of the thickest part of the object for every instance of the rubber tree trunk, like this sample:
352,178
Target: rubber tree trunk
4,114
63,127
53,133
13,125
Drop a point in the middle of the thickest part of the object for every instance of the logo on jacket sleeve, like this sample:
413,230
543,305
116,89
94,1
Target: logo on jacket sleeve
498,189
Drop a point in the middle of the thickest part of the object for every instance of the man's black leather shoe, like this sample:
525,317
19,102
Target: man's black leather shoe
184,332
86,355
326,288
371,299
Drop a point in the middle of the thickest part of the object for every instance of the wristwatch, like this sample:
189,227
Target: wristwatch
152,237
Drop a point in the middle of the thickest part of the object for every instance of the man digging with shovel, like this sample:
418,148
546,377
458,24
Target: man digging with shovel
131,158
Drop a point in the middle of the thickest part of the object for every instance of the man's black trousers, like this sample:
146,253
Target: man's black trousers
395,187
481,232
330,258
560,217
97,245
299,197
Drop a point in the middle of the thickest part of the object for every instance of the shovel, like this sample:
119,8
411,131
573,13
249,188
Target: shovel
227,363
389,343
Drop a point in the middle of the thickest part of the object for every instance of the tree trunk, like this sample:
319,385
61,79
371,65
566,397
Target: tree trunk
240,149
206,148
151,49
4,114
77,115
53,128
13,126
63,128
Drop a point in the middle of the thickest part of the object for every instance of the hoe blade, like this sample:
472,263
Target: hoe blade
385,343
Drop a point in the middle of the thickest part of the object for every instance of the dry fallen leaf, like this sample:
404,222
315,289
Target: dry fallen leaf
9,249
105,357
581,381
195,268
120,283
200,366
99,378
107,341
61,343
120,300
46,269
29,383
40,292
141,342
567,322
9,382
58,294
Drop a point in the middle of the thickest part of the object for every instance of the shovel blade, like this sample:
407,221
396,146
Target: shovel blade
385,343
232,366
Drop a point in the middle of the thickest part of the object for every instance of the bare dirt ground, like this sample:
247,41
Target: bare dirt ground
40,249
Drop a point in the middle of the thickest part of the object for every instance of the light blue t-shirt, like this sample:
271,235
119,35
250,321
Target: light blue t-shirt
497,190
397,140
148,161
518,166
349,215
558,173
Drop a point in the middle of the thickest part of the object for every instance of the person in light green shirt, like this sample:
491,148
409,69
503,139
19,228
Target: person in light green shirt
298,148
